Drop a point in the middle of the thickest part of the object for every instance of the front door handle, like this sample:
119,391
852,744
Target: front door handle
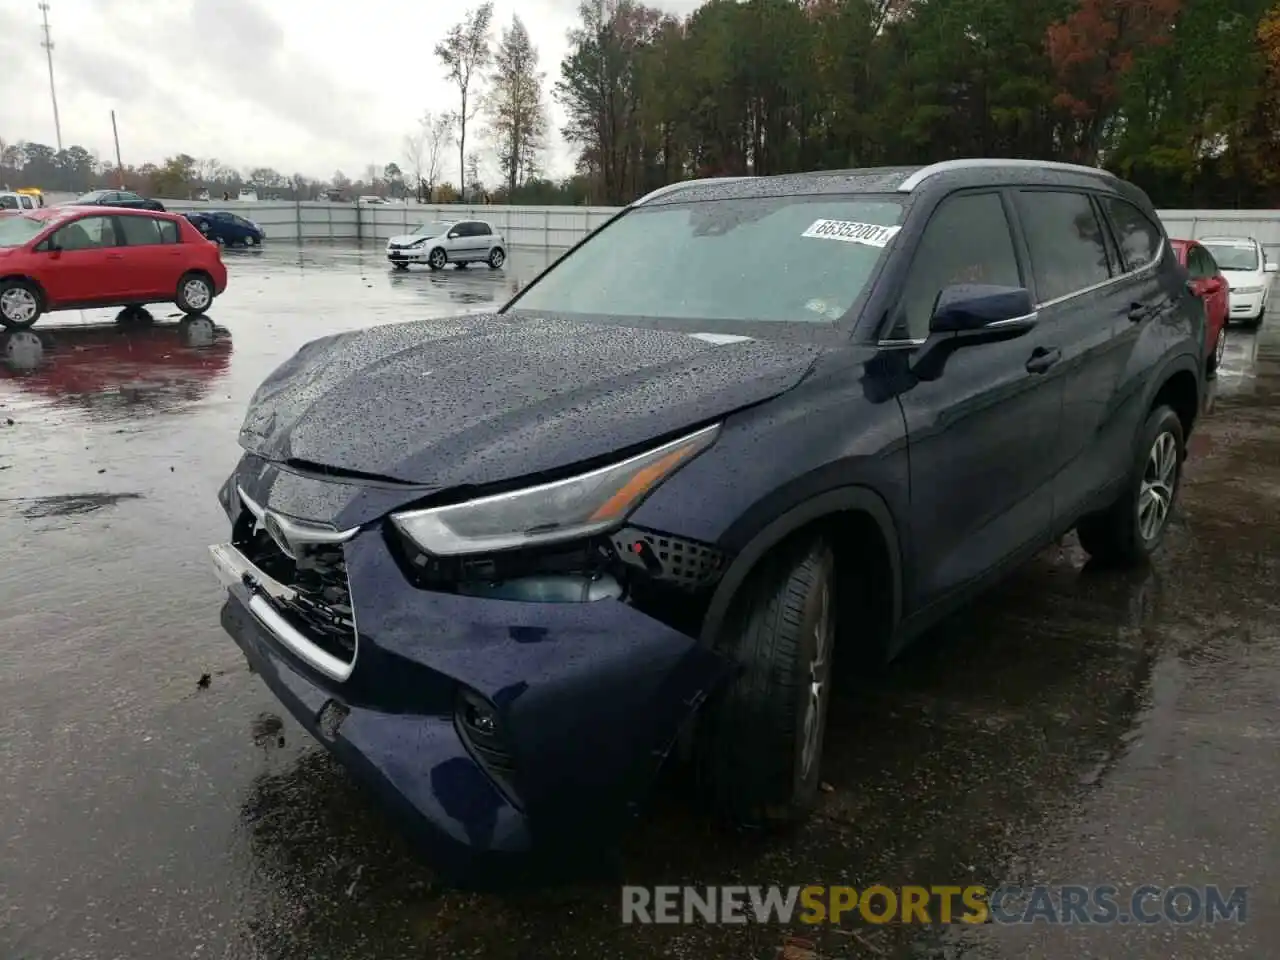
1042,358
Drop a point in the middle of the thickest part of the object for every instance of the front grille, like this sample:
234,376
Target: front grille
321,608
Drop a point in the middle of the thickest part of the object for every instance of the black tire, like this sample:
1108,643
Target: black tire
187,299
437,258
497,257
759,745
1219,347
20,304
399,266
1116,535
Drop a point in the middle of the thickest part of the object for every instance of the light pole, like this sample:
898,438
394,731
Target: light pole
47,43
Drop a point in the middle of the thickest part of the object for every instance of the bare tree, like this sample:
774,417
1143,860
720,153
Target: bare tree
464,51
517,116
415,145
439,132
208,169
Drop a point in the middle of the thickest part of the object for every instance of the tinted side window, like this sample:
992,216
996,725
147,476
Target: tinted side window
88,233
8,203
1138,237
1065,240
482,230
168,231
127,197
28,203
966,241
140,231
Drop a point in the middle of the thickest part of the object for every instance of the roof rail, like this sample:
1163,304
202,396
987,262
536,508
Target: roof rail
978,163
679,185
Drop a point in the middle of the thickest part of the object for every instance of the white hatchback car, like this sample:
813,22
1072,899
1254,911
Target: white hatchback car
1243,262
442,242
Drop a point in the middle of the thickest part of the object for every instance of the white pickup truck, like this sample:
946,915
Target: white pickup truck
442,242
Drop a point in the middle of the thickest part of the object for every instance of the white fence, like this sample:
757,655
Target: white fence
560,227
522,226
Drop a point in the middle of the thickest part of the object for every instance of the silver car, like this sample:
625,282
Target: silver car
443,241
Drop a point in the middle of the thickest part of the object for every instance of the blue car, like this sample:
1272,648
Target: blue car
505,566
227,228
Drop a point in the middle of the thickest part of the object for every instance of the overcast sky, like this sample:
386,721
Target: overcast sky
295,85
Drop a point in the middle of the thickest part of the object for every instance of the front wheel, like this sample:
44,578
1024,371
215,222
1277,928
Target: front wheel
760,744
1130,530
497,257
195,293
250,240
436,259
19,304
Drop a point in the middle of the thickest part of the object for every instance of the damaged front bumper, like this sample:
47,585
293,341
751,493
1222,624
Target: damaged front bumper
505,733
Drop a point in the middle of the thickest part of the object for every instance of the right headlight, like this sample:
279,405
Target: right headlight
579,506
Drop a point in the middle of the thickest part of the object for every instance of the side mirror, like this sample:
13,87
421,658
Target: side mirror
973,307
971,313
451,235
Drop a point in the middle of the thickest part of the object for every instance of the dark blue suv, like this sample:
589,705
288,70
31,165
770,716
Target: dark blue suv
505,566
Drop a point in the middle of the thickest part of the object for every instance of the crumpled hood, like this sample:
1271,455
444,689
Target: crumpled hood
478,399
407,238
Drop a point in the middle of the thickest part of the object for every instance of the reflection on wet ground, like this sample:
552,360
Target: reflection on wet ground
1075,725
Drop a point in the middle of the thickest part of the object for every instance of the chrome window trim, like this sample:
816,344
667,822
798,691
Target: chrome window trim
1155,262
1012,321
983,163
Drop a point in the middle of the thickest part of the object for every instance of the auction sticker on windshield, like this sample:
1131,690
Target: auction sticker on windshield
871,234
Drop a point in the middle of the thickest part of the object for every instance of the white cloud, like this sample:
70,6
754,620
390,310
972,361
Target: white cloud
291,84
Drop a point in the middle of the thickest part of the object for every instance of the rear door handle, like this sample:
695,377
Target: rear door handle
1042,358
1140,311
115,256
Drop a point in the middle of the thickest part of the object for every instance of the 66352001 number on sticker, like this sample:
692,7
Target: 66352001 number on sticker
850,231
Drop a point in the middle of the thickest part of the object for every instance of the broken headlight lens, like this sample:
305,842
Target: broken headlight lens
579,506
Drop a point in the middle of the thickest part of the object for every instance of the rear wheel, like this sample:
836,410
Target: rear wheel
436,259
195,293
1219,349
497,257
1130,530
19,304
203,227
760,743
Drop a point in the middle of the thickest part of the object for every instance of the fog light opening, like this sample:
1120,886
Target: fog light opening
547,588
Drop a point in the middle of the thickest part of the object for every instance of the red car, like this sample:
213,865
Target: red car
63,258
1207,283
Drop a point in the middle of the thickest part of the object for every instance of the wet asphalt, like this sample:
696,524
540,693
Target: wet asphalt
1072,726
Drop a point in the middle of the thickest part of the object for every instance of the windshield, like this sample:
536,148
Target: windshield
92,197
431,230
1234,256
15,231
770,259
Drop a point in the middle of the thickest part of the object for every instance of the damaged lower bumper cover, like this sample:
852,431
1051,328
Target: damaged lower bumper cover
579,704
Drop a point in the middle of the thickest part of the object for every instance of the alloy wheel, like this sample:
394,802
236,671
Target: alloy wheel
197,293
437,258
1155,498
18,305
496,258
818,687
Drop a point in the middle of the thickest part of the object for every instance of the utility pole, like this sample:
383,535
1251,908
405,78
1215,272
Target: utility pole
47,43
119,163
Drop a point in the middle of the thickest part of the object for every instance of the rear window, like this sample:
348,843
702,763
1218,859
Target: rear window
775,259
17,230
1233,256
